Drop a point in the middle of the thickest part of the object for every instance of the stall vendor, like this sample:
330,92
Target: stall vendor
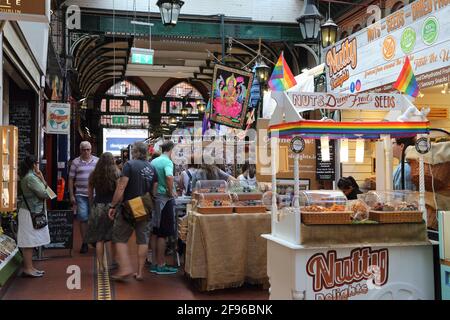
403,169
349,187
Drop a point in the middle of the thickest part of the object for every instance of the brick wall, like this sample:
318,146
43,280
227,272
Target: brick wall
285,11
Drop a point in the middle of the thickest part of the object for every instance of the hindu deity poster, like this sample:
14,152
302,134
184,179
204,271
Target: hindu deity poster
230,96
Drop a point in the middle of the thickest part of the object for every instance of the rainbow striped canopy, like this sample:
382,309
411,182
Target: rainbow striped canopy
314,129
282,78
406,81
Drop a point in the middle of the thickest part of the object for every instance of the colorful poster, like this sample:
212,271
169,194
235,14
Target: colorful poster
230,96
58,118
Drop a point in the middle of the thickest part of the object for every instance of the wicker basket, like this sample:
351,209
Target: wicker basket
214,210
337,217
441,175
250,209
396,216
249,196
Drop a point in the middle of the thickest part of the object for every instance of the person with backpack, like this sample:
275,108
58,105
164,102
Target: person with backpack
187,176
138,178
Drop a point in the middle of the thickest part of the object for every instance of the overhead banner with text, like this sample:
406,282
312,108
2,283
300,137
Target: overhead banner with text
372,58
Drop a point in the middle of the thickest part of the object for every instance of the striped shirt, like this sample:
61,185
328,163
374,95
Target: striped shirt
80,171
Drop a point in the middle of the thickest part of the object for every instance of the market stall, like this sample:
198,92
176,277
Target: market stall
324,247
224,247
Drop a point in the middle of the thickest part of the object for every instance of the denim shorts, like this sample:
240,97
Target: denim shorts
82,208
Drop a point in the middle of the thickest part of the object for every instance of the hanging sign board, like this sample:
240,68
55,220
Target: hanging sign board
58,118
142,56
25,10
361,101
372,58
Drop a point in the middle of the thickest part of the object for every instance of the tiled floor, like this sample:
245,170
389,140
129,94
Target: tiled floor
53,286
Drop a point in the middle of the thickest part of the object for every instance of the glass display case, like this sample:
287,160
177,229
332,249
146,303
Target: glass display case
251,202
322,201
8,168
245,192
399,206
215,203
398,200
211,186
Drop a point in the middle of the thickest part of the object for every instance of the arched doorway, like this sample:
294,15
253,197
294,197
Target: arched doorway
181,95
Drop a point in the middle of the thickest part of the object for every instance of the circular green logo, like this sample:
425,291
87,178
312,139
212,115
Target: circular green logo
430,30
408,40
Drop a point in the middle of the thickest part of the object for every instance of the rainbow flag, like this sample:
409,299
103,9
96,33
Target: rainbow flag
282,78
313,129
406,81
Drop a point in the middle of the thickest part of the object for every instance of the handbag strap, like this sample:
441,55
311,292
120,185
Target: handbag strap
26,202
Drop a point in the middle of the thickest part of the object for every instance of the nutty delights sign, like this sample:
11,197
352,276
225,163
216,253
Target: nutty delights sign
336,278
372,58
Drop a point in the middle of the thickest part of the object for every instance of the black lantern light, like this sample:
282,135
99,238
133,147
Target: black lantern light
309,21
170,10
201,107
262,72
329,33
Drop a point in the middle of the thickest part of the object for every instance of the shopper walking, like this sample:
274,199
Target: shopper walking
33,189
103,181
138,177
80,170
163,221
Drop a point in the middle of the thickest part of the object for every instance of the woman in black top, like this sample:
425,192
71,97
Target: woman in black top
103,181
349,187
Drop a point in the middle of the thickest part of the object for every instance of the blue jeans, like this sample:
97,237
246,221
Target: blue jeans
83,209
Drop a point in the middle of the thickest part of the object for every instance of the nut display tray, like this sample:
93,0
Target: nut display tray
215,210
333,217
396,216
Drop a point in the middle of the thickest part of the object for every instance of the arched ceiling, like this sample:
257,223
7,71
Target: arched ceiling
100,58
97,59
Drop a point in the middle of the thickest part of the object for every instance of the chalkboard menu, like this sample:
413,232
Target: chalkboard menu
325,170
21,116
60,225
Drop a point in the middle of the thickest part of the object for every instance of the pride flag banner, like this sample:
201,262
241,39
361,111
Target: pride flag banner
282,78
406,81
349,130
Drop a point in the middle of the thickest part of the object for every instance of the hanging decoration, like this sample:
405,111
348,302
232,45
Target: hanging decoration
282,78
230,96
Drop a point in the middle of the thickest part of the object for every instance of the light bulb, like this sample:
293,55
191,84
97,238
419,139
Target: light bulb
344,150
325,148
359,156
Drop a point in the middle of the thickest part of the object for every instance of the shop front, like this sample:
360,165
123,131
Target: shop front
371,60
24,34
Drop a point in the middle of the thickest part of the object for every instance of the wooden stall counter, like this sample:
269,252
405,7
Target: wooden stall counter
227,250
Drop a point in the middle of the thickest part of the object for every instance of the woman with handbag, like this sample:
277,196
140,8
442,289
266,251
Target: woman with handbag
103,181
33,229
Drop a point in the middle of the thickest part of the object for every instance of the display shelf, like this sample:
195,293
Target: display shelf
8,166
11,256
